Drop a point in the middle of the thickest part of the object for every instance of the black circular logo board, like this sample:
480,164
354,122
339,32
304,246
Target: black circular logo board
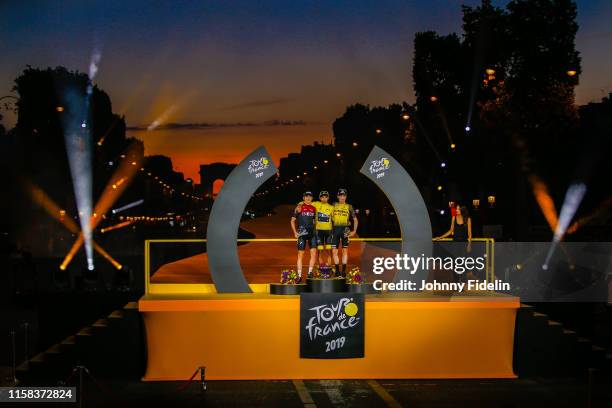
332,325
224,220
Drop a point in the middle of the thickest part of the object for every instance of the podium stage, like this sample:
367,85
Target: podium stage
256,337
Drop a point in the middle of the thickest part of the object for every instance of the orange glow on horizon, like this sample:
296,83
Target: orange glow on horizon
189,148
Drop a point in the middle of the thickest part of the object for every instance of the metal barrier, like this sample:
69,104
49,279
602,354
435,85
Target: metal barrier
209,288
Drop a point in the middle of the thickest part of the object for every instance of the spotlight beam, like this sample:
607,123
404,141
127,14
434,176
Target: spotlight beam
113,190
544,200
78,149
117,226
127,206
601,209
42,199
573,197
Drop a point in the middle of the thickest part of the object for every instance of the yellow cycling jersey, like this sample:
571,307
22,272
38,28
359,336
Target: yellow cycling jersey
324,215
342,215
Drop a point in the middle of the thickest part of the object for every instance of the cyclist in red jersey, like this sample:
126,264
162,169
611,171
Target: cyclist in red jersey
303,226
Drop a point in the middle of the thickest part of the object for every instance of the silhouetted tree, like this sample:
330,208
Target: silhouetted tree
511,77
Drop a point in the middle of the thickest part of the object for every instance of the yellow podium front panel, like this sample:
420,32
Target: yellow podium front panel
257,337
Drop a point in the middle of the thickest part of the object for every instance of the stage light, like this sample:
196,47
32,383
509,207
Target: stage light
452,146
59,108
116,226
78,148
468,128
163,117
355,144
544,200
443,164
600,210
490,71
127,206
110,194
573,197
442,212
325,161
378,131
338,155
439,188
433,98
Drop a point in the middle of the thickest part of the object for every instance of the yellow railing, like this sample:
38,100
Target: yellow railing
203,288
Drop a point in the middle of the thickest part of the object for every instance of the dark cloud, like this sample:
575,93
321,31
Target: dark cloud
207,125
258,103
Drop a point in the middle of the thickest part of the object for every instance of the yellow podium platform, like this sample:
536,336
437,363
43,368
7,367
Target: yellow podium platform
257,337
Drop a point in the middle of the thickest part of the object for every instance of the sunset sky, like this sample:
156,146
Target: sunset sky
244,64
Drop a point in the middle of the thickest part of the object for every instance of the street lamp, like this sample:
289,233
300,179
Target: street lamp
571,72
405,116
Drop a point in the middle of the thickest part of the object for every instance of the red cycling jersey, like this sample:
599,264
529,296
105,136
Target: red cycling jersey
305,215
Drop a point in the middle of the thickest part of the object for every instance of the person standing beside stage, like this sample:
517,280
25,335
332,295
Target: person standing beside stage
304,232
461,226
341,219
323,226
461,231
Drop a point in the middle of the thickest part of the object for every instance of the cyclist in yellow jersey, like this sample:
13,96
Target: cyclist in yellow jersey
323,226
341,217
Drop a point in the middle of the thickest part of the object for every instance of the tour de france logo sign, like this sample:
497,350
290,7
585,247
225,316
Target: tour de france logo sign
379,167
332,325
257,166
